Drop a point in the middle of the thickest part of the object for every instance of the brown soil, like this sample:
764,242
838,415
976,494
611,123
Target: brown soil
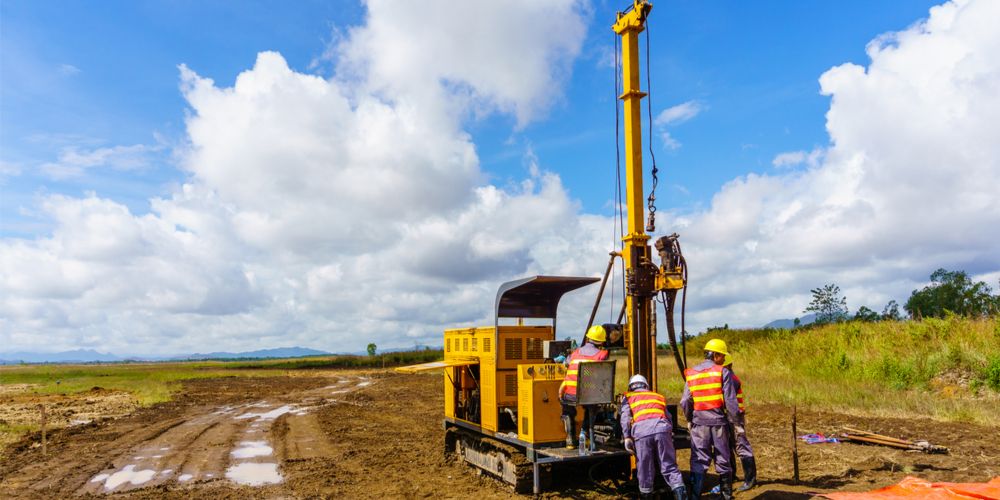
19,407
355,434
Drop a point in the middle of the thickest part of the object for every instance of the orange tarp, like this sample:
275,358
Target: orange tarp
914,487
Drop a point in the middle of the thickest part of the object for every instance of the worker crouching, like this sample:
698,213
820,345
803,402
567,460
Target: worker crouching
591,350
650,437
711,408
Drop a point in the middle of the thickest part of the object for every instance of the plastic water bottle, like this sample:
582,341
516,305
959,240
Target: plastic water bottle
583,443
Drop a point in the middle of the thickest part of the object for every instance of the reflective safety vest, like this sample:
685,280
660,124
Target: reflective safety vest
573,370
646,405
705,387
739,392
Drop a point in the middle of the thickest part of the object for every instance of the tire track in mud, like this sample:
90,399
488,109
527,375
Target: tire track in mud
238,445
69,462
242,444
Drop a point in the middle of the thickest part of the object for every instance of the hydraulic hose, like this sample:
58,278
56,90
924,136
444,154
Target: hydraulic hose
669,299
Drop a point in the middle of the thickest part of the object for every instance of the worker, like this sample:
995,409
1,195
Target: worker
710,407
650,437
743,449
591,350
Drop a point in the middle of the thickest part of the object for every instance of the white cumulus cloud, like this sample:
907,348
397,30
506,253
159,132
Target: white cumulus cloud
333,212
908,183
321,212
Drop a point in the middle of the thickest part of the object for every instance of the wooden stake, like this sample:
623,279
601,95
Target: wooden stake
44,441
872,435
795,447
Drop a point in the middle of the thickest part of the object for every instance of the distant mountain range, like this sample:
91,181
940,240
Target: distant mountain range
790,323
91,356
280,352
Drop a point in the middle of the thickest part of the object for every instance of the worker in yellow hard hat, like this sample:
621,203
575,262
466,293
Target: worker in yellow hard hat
591,350
743,449
711,409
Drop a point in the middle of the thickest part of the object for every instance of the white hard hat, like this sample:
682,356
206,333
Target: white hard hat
637,381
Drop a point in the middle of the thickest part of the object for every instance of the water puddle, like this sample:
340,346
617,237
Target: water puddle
254,474
270,415
126,475
250,449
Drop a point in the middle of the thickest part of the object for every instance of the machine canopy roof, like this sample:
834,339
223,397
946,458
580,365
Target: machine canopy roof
537,296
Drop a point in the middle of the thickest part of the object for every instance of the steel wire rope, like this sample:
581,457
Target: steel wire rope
651,201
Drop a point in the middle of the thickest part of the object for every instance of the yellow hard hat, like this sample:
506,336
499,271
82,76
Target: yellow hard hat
597,334
717,345
728,361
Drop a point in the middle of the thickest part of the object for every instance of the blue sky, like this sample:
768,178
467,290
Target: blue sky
261,174
80,73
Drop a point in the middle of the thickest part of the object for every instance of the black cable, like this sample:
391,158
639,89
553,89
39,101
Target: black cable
684,296
600,487
651,201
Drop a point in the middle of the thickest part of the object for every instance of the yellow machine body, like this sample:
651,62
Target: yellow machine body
494,355
538,407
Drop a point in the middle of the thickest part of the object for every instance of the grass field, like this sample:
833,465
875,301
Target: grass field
152,383
947,369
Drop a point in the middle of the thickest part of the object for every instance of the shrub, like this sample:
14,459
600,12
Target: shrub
991,376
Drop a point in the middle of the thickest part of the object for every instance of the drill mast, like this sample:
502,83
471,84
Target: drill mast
640,330
643,279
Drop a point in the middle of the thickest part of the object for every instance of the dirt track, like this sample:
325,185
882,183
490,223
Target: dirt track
378,434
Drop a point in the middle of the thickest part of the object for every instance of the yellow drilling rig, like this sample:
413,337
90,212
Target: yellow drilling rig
501,403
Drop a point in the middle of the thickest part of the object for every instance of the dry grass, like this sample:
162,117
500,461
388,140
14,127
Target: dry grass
946,369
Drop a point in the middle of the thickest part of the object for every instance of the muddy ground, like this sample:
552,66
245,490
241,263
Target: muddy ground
19,406
350,434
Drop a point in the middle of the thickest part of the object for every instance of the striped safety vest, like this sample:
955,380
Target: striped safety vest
739,392
573,370
646,405
705,387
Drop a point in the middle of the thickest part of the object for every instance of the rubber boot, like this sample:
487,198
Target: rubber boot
680,493
568,426
726,487
697,480
749,474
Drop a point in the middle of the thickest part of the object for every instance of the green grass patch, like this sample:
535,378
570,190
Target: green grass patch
991,374
150,383
943,368
156,382
378,361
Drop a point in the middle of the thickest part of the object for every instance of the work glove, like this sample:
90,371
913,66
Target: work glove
740,430
630,446
689,427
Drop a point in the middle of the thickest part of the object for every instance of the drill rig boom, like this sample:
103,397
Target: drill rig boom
643,279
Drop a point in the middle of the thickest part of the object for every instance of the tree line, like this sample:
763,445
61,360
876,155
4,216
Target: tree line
950,292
